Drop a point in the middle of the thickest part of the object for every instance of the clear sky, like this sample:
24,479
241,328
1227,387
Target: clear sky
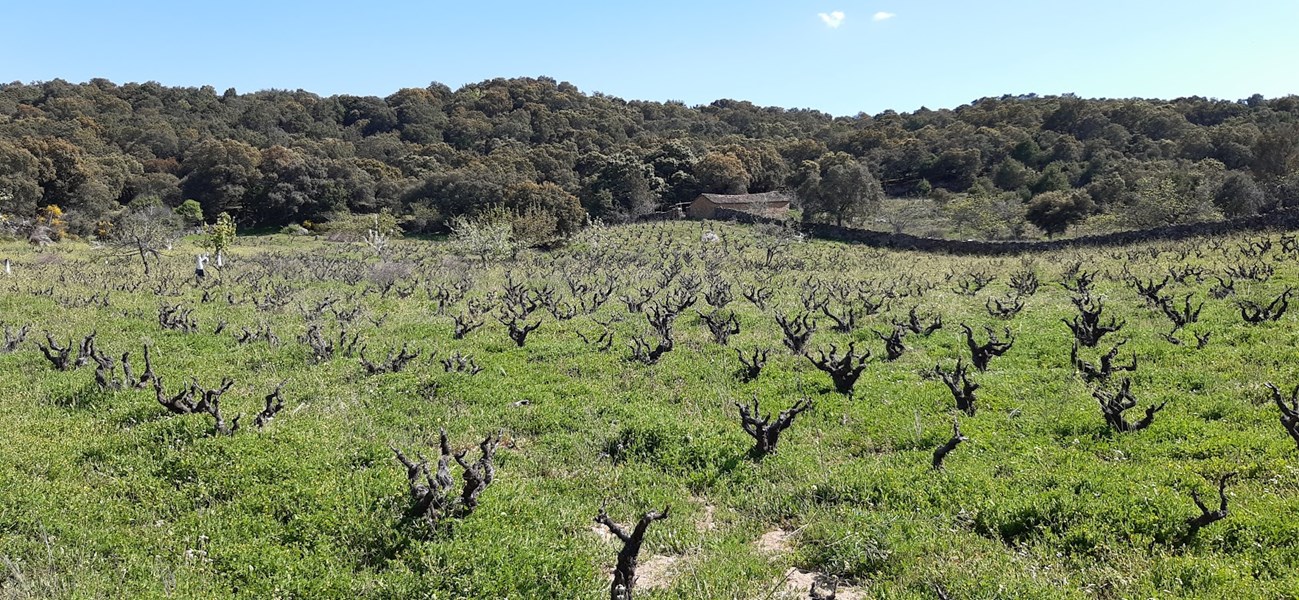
839,56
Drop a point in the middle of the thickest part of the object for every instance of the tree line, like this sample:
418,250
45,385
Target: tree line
554,157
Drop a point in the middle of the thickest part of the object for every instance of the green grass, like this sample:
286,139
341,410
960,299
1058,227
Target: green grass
105,494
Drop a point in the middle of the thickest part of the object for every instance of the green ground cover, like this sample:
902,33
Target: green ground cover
106,494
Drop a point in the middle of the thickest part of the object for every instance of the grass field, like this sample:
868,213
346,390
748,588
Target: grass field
106,494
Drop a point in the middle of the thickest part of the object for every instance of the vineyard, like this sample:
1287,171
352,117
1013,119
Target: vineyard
666,410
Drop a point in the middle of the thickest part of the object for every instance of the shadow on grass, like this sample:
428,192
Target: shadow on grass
86,397
381,546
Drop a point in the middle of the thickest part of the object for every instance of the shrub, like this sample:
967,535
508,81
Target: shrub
51,218
534,226
999,216
423,219
550,200
488,235
191,212
349,227
1055,211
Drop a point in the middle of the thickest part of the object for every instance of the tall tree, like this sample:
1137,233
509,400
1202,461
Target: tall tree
674,164
837,188
20,189
722,173
1240,195
1167,200
220,173
291,186
618,187
1054,212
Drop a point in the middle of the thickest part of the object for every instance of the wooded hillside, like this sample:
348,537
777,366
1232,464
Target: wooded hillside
992,167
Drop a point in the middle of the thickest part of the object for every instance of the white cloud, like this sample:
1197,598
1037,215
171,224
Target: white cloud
883,16
833,19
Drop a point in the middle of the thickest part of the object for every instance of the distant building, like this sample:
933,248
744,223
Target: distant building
769,204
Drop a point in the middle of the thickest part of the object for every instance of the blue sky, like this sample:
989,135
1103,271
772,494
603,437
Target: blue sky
839,56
